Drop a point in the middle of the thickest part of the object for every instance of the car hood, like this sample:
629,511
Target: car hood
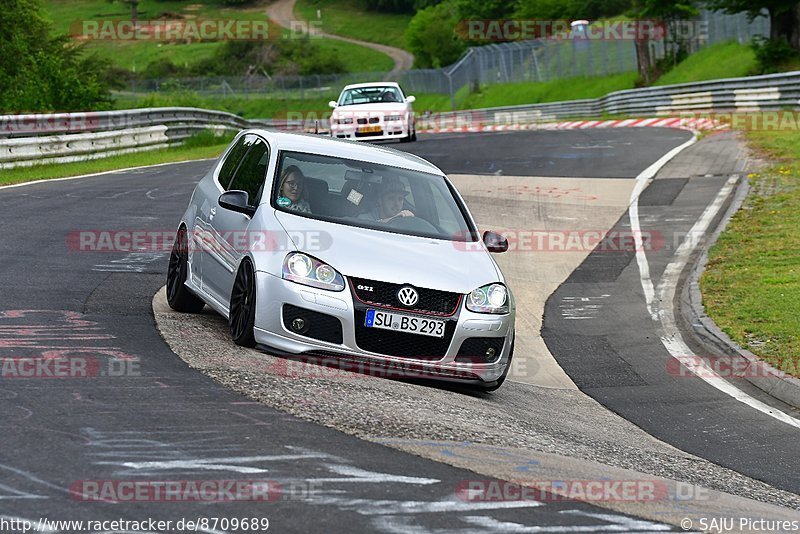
396,258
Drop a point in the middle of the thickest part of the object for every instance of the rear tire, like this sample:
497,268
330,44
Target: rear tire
179,297
242,311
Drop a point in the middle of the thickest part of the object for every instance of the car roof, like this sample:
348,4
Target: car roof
370,84
356,150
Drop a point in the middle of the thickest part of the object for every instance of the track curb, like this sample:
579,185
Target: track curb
750,367
651,122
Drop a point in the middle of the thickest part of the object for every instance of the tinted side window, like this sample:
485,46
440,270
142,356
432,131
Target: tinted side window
232,161
252,172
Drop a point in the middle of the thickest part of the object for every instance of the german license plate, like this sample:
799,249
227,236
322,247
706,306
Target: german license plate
400,322
369,129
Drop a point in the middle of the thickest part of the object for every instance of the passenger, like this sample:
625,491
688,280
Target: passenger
291,190
390,204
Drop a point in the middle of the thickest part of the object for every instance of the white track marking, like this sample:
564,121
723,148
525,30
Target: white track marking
67,178
355,474
633,213
216,464
490,524
672,338
390,507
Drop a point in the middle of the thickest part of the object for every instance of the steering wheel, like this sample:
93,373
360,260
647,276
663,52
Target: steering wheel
414,224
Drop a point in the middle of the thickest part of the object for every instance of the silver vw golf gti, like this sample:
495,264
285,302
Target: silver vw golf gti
358,253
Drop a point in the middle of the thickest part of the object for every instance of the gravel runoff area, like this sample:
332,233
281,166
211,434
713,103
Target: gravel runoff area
520,416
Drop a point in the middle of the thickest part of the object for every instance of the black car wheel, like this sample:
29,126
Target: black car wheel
242,315
179,297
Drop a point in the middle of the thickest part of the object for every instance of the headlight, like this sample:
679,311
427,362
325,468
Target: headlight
304,269
492,298
348,120
394,118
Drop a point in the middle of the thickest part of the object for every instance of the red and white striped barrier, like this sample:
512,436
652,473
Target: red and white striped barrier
669,122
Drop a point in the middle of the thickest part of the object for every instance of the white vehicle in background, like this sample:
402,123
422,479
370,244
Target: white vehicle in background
373,111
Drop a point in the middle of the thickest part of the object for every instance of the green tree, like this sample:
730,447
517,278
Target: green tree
485,9
431,36
669,13
391,6
784,16
571,9
44,73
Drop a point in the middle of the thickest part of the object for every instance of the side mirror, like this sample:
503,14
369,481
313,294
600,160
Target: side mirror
332,104
411,99
236,201
495,242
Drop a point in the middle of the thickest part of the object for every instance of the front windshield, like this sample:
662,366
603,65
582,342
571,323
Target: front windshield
370,95
368,195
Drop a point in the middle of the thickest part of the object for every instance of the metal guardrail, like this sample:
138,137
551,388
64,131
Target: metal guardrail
771,92
30,139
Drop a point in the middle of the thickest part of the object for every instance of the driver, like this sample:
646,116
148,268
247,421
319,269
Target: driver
390,203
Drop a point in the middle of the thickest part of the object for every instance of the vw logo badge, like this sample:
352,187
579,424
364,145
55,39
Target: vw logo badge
408,296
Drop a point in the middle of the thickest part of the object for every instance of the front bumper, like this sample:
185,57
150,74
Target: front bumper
386,130
272,332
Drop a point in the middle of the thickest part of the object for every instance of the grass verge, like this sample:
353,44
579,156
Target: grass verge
510,94
722,60
63,170
751,287
135,55
350,19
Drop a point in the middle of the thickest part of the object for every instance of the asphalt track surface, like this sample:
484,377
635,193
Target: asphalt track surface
613,352
161,420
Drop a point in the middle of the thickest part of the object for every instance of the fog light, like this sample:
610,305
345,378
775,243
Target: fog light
490,352
298,324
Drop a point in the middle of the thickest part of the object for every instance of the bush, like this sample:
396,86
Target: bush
44,73
770,55
243,58
432,38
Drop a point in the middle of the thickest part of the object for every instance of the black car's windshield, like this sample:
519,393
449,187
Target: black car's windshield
370,95
369,195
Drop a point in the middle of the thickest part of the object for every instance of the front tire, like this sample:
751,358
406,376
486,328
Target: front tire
412,134
242,311
179,297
